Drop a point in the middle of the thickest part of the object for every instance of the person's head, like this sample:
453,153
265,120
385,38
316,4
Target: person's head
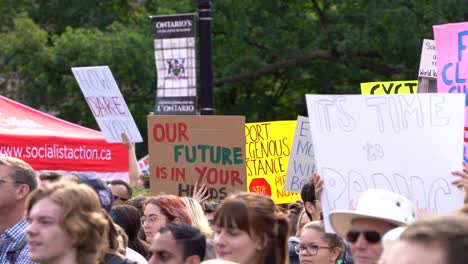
65,223
17,180
138,202
198,217
178,244
377,211
128,218
143,180
303,219
435,240
294,210
104,193
210,208
318,247
249,229
121,191
309,199
162,210
49,177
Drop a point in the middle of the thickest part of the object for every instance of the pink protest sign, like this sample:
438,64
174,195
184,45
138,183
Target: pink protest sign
452,62
452,58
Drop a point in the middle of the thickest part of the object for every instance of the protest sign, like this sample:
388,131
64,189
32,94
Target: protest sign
428,63
452,61
143,164
268,146
407,144
205,149
107,103
391,87
301,164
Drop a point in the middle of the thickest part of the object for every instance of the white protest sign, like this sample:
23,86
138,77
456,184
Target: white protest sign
107,103
428,65
301,163
408,144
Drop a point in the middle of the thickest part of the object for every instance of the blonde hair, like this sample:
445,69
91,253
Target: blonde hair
81,217
198,217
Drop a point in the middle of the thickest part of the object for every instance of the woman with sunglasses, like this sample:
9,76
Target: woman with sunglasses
318,247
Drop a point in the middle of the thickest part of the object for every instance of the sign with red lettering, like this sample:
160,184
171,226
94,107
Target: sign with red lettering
107,103
205,149
268,146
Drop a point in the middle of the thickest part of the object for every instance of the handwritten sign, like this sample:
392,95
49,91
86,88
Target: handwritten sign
268,146
428,63
301,164
452,59
392,87
107,103
205,149
407,144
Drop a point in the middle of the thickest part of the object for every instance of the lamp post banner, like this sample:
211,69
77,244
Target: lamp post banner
174,52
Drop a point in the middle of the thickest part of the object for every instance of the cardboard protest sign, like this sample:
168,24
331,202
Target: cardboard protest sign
205,149
268,146
391,87
407,144
107,103
301,164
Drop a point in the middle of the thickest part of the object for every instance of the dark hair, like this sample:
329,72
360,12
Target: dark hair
257,215
127,186
192,241
128,217
294,210
20,171
138,202
146,180
308,195
210,207
51,176
449,232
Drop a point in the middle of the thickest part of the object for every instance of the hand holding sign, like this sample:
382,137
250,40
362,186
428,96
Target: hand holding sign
462,182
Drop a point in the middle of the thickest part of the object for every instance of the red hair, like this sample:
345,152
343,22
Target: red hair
172,207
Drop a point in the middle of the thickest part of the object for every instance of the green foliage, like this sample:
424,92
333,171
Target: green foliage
267,53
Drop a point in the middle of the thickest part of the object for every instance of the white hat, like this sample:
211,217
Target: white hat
376,204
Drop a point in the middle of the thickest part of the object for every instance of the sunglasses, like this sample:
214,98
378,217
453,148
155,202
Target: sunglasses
120,198
372,237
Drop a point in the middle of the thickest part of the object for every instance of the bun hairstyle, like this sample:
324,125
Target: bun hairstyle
257,215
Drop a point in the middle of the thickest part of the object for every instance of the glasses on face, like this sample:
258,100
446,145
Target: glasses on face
311,249
120,198
371,236
150,220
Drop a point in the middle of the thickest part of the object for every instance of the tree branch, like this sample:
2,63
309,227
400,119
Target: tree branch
275,67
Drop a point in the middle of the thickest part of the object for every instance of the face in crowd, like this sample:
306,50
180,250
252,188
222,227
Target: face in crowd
365,239
161,210
248,229
317,247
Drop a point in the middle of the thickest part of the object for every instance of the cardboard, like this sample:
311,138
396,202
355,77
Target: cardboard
186,149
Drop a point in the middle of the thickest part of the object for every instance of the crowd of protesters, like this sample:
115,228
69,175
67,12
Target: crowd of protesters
79,218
